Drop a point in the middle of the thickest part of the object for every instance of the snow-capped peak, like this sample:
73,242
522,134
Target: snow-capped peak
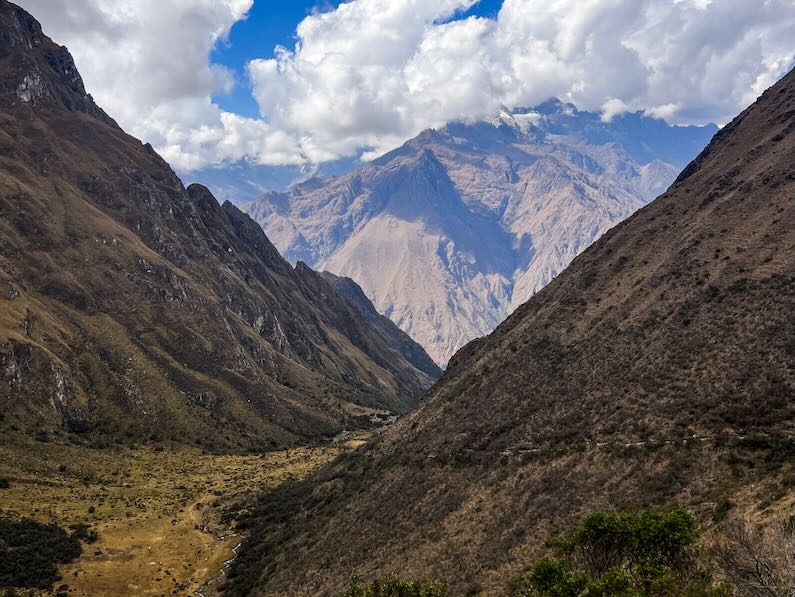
505,114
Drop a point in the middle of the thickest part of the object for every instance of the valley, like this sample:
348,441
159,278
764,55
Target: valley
188,408
157,510
674,327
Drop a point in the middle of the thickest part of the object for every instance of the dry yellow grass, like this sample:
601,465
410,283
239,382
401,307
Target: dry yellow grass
157,512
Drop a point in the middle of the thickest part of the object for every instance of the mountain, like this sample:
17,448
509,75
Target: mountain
659,367
243,181
393,336
133,307
449,233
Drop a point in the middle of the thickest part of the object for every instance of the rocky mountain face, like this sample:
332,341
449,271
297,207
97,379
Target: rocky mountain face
392,335
449,233
132,306
659,367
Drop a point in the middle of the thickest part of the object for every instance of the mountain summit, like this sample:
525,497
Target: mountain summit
449,233
134,307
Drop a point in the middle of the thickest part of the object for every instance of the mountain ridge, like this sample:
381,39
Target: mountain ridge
134,307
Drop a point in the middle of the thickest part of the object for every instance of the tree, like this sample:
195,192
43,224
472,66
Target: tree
651,553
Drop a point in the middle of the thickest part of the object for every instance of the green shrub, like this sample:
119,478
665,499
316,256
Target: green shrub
84,532
392,586
30,553
552,577
651,553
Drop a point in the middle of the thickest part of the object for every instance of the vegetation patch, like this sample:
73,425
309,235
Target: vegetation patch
30,552
651,553
392,586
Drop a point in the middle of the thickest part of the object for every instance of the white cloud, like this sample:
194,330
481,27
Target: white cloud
665,111
372,73
377,71
146,63
614,107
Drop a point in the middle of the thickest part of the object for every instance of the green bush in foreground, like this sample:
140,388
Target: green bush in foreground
391,586
646,554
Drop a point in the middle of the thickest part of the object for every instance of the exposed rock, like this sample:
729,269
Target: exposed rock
30,88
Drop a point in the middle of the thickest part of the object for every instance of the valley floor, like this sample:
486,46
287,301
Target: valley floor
158,513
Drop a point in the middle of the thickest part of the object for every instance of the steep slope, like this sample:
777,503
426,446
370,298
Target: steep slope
452,231
392,335
659,366
132,306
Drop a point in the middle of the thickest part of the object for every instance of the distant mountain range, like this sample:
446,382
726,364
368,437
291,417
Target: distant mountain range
449,233
133,307
244,180
658,368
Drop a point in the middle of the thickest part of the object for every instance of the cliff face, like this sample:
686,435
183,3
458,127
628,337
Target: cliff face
449,233
132,306
658,367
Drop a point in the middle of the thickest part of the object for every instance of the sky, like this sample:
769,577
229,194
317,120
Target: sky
270,23
305,81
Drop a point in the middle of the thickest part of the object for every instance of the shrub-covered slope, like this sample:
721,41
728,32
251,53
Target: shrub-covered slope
659,366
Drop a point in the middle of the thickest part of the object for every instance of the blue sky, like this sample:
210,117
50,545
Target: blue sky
271,23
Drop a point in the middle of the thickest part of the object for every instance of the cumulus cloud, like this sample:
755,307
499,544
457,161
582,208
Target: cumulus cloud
612,108
371,73
146,63
374,72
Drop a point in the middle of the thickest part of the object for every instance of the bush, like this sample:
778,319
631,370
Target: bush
84,532
4,483
30,553
646,554
392,586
